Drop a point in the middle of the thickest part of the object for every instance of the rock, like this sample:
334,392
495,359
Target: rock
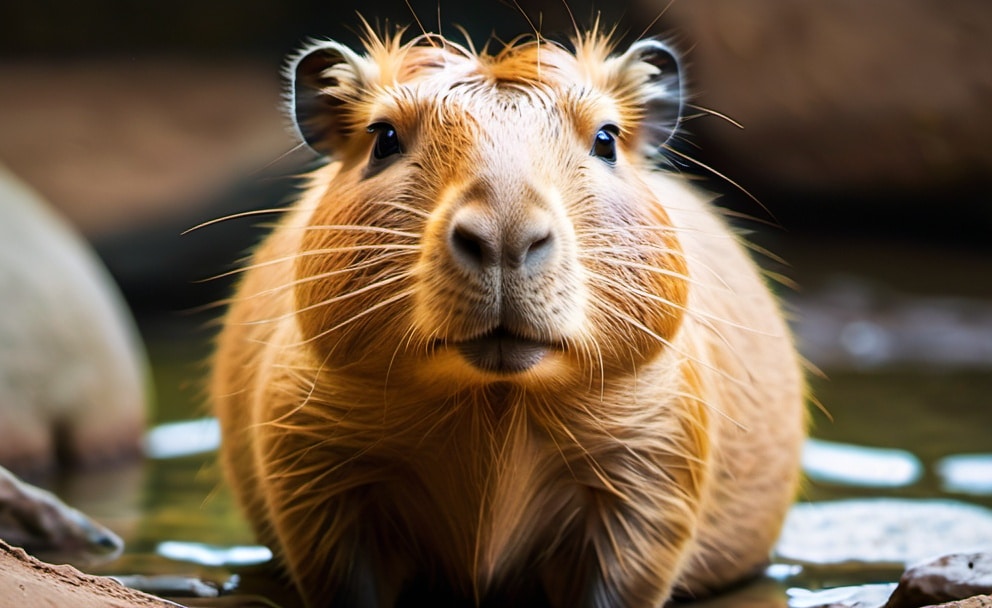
860,596
979,601
49,529
950,577
855,534
843,95
25,581
72,369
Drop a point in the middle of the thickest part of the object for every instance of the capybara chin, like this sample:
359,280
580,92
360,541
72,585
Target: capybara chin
493,355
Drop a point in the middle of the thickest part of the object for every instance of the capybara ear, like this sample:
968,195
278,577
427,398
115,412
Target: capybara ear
327,81
652,69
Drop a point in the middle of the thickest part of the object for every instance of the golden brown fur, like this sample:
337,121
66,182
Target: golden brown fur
654,445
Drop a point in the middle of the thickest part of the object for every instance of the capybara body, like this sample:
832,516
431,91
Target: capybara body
493,354
73,378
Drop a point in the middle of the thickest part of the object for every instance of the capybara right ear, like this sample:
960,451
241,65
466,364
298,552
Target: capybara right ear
327,81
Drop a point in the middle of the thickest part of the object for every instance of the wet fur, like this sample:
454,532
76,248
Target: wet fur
654,450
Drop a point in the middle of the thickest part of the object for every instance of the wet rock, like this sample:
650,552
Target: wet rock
979,601
38,522
891,533
860,596
950,577
72,371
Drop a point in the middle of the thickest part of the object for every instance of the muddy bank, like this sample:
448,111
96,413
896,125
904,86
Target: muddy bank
31,583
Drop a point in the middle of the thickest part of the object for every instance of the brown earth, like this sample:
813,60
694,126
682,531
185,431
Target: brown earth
29,583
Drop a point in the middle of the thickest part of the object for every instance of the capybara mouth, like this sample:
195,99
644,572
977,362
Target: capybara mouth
502,351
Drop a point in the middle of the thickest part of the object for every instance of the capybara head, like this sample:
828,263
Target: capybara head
489,218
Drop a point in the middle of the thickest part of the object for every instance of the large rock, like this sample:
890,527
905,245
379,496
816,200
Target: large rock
72,369
38,522
948,578
842,95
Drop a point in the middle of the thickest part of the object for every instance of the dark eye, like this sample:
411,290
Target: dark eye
604,145
387,142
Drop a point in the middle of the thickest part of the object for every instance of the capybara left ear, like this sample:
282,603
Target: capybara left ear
326,80
652,67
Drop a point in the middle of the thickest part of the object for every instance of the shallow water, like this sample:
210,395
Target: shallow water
904,423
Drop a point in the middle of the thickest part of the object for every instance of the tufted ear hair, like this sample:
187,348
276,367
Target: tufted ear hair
327,79
653,70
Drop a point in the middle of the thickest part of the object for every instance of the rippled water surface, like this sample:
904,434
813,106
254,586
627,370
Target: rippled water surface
905,347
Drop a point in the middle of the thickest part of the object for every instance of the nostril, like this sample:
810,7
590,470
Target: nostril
539,249
468,245
539,244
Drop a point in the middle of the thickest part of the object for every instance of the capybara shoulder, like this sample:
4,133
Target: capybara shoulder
494,354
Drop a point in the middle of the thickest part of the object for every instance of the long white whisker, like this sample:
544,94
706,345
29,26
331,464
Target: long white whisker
338,298
383,259
313,252
359,228
353,318
235,216
668,344
403,207
689,311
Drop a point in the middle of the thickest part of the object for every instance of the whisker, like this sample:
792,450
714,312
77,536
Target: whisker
661,14
383,259
668,344
712,112
338,298
625,231
705,403
391,300
689,311
312,252
235,216
774,223
360,228
648,268
403,207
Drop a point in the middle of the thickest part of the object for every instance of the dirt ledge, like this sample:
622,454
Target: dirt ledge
29,583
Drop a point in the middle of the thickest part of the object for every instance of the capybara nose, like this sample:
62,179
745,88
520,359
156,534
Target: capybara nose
480,241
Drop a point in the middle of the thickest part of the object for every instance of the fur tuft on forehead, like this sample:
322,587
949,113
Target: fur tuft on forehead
524,60
329,80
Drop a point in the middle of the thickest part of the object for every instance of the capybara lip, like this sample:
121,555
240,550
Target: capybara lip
502,351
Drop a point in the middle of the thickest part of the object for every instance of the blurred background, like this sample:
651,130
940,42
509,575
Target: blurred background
863,128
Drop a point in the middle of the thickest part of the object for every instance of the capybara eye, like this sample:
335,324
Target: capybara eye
387,142
604,145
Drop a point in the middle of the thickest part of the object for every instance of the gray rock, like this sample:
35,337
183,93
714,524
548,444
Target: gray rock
979,601
950,577
892,533
72,370
41,524
860,596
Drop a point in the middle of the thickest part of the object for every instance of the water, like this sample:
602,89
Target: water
901,335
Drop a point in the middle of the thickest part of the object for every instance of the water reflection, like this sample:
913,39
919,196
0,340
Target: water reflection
212,555
966,474
860,466
854,323
184,438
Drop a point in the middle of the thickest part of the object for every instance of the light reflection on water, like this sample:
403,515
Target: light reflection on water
855,465
966,474
212,555
183,438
